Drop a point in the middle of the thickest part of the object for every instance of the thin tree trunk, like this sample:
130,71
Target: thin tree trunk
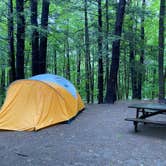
20,39
140,73
43,36
161,51
154,83
133,71
111,93
92,76
26,60
107,46
2,85
64,61
125,75
119,86
87,54
55,61
68,59
100,56
132,61
3,78
12,72
35,38
78,67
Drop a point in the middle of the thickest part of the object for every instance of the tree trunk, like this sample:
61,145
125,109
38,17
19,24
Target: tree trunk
35,38
140,72
3,79
107,46
161,51
78,67
100,56
154,83
68,58
111,93
132,61
92,76
20,39
43,36
55,61
12,72
2,85
133,71
64,60
119,92
87,54
125,74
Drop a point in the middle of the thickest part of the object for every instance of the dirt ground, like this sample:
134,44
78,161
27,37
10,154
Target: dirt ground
99,136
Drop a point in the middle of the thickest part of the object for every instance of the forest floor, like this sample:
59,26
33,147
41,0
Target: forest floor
98,136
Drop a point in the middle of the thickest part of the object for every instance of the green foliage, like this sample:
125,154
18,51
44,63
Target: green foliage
66,22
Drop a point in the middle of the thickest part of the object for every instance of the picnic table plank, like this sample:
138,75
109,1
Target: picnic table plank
155,106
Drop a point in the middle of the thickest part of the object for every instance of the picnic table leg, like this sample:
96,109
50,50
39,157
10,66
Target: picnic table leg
144,114
136,123
136,126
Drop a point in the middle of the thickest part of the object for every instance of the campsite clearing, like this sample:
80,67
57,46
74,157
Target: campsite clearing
98,136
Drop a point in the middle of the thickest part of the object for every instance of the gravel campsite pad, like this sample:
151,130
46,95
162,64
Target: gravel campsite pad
98,136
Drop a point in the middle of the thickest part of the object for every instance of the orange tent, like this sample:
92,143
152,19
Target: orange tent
38,102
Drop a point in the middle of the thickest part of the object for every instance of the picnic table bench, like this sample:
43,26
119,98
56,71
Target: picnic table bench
144,111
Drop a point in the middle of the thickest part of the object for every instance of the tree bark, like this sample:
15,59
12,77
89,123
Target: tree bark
78,67
35,38
20,39
64,60
107,45
140,72
43,36
100,56
154,83
68,58
12,72
132,61
87,54
2,85
133,71
3,79
125,64
55,61
92,75
111,93
161,51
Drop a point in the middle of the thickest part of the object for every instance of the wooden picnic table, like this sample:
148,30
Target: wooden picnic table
143,111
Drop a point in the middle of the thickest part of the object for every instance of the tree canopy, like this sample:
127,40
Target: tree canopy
76,39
